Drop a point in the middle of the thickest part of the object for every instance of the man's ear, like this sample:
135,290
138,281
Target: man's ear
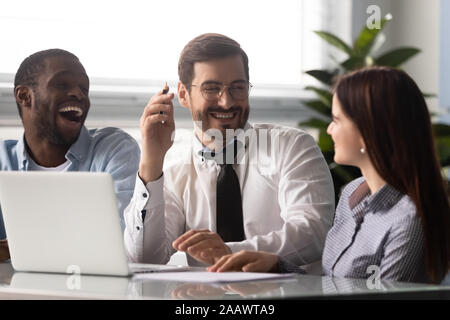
23,96
183,95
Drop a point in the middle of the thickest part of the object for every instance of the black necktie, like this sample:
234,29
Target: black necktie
230,225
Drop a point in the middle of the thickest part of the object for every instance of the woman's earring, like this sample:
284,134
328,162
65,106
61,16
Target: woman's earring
362,150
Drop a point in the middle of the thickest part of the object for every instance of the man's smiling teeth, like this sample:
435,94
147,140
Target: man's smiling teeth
78,110
223,115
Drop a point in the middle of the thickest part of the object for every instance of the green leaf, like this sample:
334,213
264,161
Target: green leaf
318,106
323,76
325,96
345,175
314,123
335,41
353,63
441,129
363,44
325,142
396,57
442,134
429,95
443,146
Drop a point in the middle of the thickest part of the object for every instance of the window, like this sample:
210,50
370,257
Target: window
129,48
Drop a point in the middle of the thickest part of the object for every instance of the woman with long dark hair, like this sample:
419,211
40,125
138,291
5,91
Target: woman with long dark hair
396,217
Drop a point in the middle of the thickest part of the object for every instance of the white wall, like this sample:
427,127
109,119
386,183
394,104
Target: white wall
415,23
444,77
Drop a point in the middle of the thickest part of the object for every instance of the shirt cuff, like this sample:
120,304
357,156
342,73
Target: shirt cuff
149,196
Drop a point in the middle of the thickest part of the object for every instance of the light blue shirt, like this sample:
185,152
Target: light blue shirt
97,150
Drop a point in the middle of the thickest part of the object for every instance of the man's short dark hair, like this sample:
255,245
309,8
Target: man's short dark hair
30,68
206,47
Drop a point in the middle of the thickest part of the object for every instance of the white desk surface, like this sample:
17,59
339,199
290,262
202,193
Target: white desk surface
19,285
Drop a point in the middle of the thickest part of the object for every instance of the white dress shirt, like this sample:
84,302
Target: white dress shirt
287,199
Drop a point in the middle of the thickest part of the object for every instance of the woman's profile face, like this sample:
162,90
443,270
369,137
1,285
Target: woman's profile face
346,137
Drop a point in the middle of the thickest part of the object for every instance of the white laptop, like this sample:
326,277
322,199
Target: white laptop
66,222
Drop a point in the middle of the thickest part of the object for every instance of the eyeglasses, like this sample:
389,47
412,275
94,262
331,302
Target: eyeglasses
239,90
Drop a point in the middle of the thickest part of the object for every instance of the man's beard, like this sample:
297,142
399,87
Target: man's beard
203,117
46,127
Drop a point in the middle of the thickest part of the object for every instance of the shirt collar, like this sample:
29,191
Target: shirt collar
204,152
80,148
385,198
77,151
22,154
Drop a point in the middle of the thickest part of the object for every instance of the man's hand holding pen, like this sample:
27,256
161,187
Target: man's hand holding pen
157,128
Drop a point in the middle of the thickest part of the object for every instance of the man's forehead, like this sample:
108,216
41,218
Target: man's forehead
226,69
56,65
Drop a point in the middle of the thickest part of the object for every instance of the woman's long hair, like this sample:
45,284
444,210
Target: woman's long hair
390,112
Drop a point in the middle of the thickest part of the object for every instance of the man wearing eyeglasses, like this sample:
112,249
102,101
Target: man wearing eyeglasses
224,195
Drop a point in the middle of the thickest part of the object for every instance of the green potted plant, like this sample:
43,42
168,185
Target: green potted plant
362,53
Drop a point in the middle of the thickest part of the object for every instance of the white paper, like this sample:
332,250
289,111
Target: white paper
211,277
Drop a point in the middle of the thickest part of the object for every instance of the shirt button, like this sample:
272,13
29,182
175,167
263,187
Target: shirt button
138,228
144,195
